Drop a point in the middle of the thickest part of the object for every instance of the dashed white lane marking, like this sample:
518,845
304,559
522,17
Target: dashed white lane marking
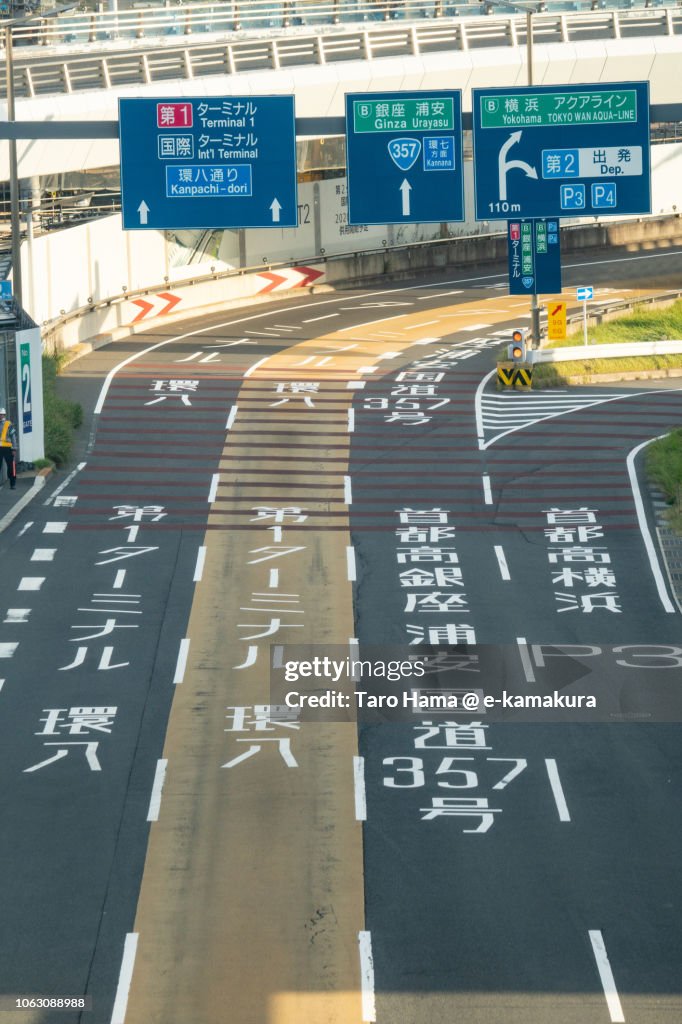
81,465
426,341
247,373
213,490
424,323
367,369
31,582
369,323
181,663
359,785
231,418
608,982
16,615
125,977
157,789
356,385
649,545
354,650
119,578
43,554
475,327
2,683
347,491
199,567
273,579
525,659
350,564
369,1013
25,527
438,295
487,490
557,789
502,562
314,319
351,420
54,527
7,649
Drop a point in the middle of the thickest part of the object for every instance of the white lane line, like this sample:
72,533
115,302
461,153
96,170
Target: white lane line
369,1012
557,789
525,659
478,408
439,295
81,465
608,982
213,490
347,491
43,554
314,319
354,650
649,545
125,977
25,527
31,582
350,563
181,663
487,490
157,789
273,580
502,562
351,420
7,649
17,615
231,418
424,323
54,527
356,385
119,578
425,341
360,793
368,323
475,327
199,567
2,683
247,373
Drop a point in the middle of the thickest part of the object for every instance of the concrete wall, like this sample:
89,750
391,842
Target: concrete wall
92,263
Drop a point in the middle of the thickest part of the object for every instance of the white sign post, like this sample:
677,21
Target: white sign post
582,295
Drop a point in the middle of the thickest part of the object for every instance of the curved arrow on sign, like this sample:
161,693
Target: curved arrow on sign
505,165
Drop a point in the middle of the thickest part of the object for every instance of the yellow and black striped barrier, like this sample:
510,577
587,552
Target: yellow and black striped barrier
514,375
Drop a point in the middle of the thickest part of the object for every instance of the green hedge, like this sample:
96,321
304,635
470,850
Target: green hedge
62,417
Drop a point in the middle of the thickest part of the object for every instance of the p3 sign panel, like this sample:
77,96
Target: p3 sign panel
404,157
562,150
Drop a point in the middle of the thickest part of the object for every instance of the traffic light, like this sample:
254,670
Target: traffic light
517,350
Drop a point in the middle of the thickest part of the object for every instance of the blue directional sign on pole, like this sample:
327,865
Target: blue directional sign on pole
534,257
404,157
562,150
584,293
210,162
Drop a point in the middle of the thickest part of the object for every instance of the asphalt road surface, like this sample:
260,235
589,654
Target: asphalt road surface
336,475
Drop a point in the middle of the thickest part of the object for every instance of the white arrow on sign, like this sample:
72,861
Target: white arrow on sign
504,165
275,206
406,188
143,210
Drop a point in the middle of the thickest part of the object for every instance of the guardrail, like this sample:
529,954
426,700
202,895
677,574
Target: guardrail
95,52
237,15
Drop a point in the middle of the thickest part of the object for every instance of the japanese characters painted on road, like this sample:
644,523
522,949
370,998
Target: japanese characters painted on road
534,256
404,157
209,162
561,150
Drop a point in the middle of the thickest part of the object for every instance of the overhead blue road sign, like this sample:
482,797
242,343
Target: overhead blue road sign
404,157
211,162
583,294
559,150
534,257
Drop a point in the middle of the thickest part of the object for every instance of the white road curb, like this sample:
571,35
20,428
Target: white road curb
23,501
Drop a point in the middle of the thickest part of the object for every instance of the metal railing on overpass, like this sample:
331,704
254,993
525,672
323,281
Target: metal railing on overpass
100,58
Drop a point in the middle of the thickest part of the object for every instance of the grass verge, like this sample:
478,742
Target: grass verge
61,416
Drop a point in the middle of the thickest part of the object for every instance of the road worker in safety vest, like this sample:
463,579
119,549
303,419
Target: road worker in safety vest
8,447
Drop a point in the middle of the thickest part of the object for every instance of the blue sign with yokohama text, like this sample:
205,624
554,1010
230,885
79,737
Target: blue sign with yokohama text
561,150
209,162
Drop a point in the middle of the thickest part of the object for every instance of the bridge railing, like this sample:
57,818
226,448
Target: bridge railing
235,16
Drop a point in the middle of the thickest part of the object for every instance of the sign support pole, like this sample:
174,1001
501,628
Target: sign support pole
585,322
